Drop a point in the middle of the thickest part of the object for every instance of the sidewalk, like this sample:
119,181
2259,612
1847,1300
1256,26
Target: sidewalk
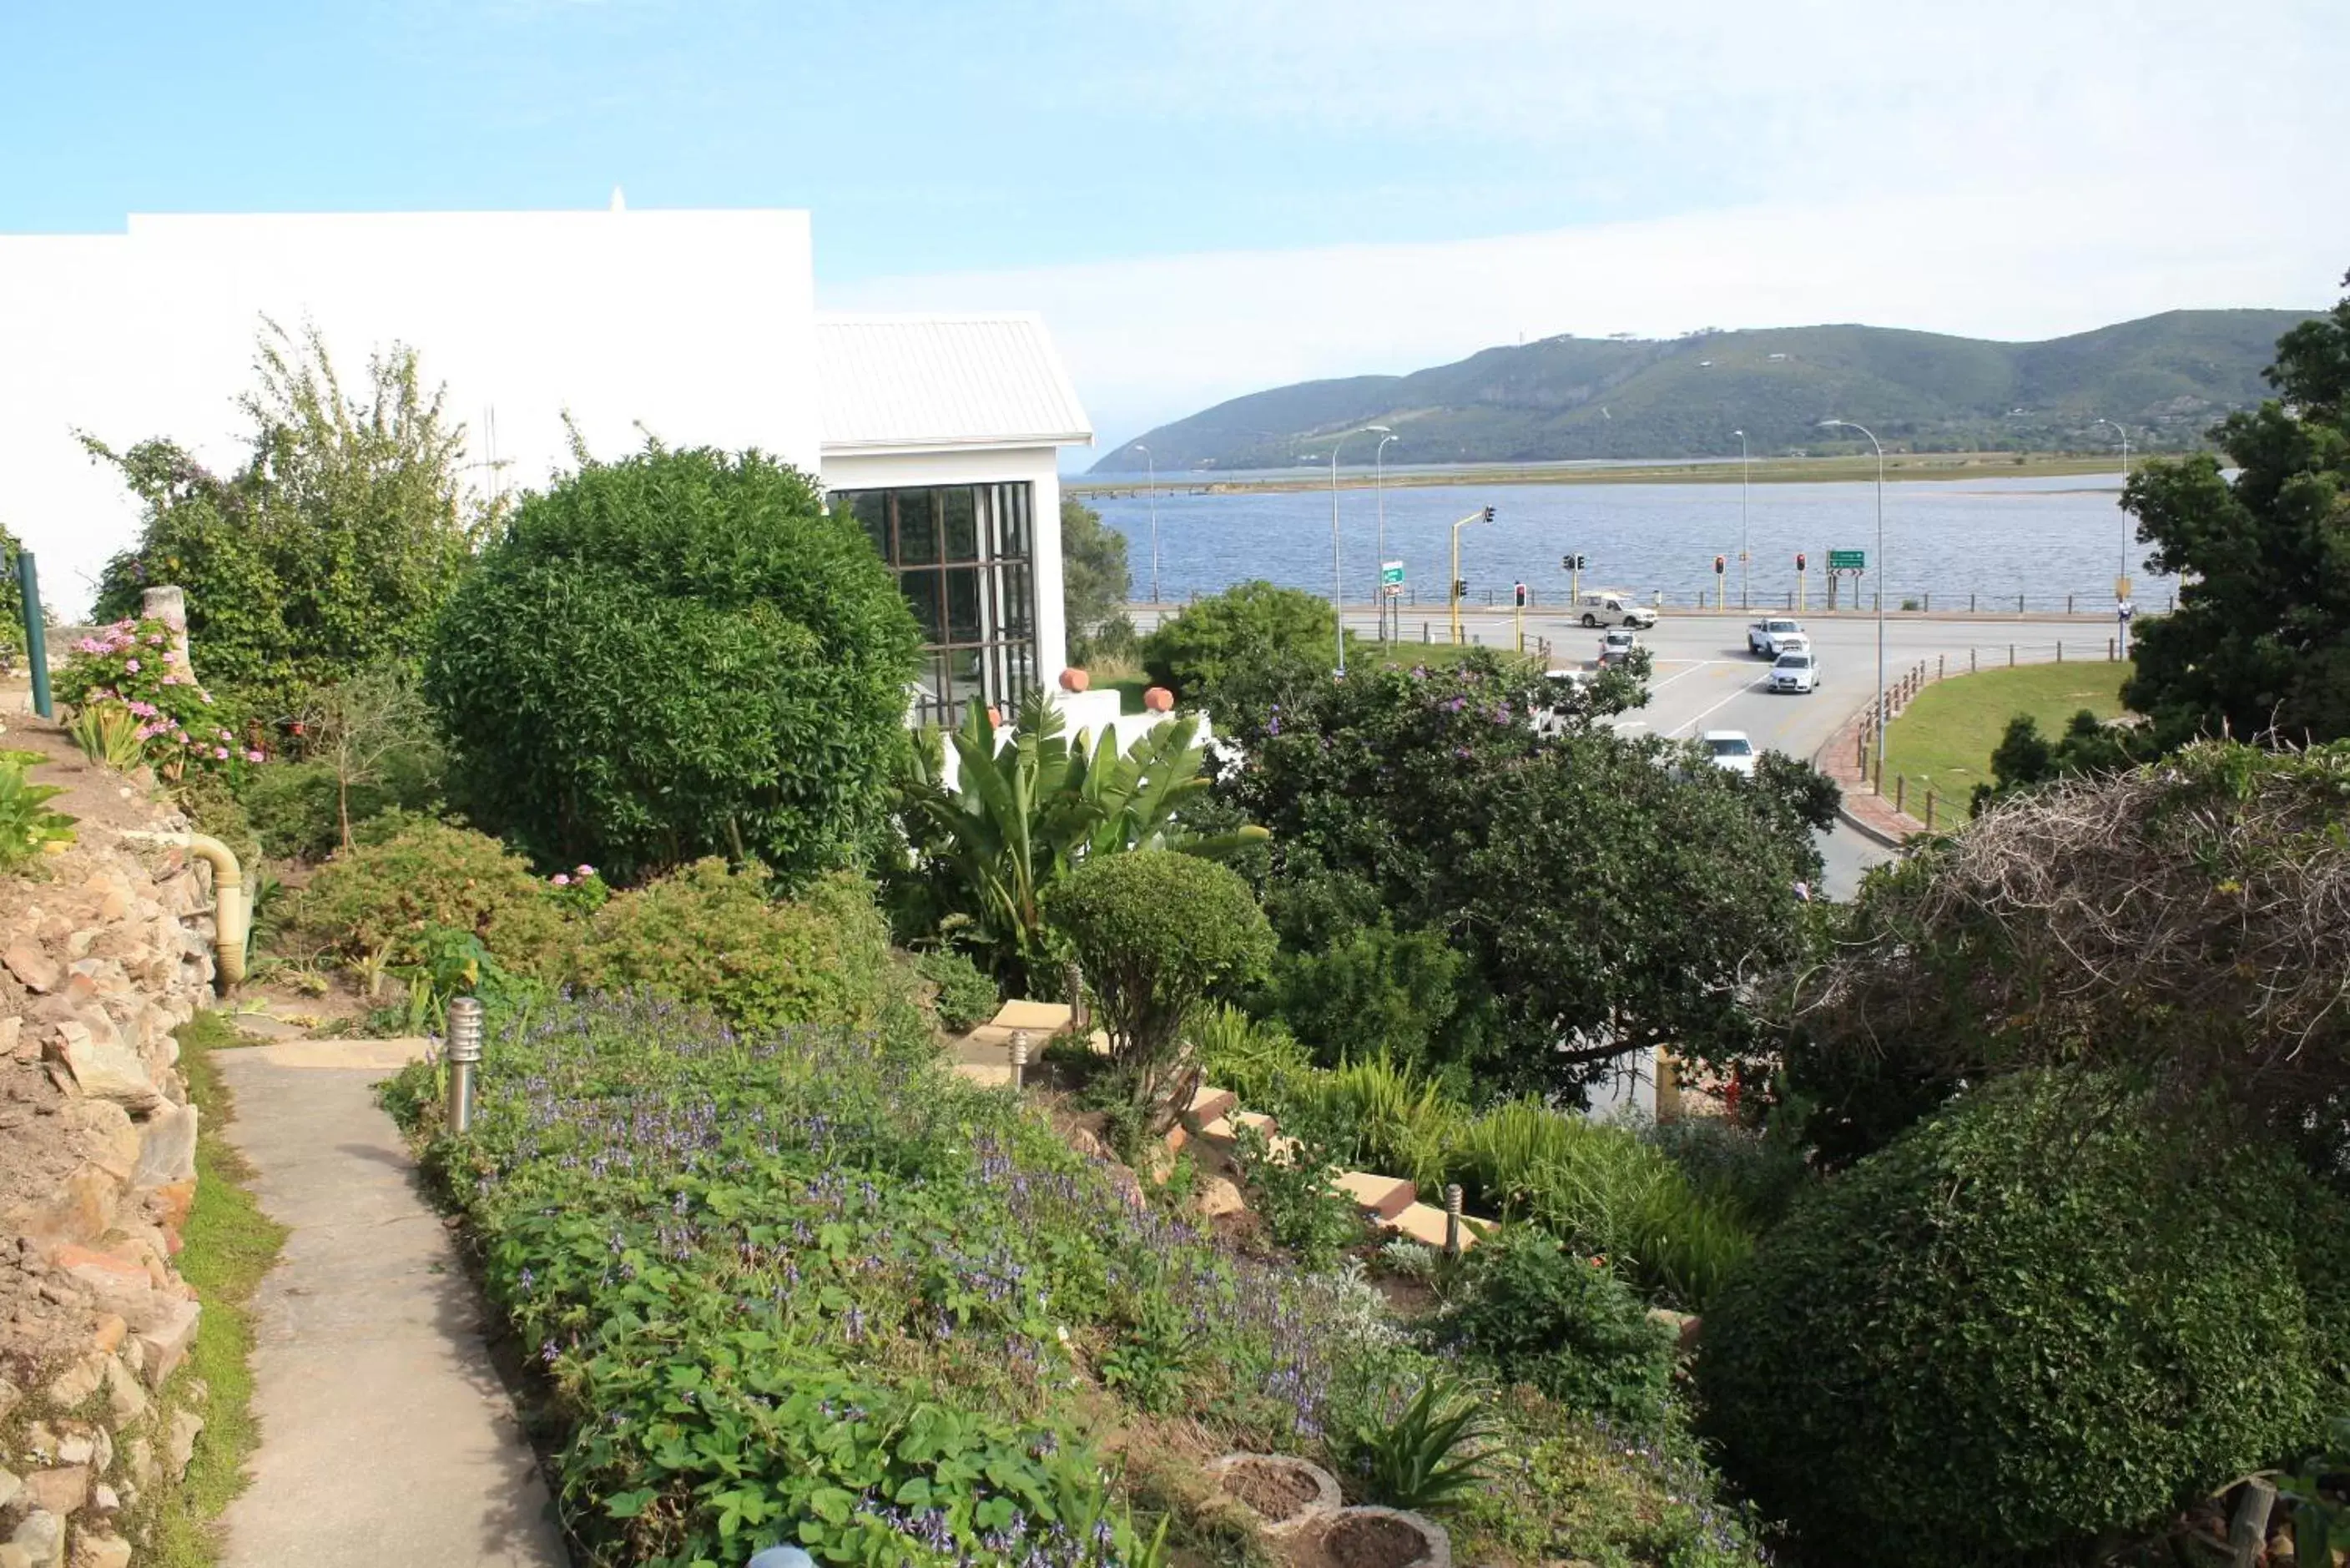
386,1435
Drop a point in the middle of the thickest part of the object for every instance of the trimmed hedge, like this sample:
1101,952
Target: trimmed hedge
2044,1316
374,900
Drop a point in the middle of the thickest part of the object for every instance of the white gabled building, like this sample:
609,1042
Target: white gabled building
696,327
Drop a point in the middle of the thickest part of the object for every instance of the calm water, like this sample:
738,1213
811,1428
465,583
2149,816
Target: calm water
2042,538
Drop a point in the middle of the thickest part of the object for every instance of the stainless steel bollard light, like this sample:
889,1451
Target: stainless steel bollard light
1019,1059
464,1054
1453,1221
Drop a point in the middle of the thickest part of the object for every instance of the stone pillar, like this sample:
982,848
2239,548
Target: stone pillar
170,606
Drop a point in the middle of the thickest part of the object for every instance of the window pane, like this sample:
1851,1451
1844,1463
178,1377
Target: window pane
963,605
921,591
1017,605
963,678
918,527
1011,507
872,509
962,508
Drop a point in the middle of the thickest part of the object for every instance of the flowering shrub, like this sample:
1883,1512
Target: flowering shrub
129,665
789,1287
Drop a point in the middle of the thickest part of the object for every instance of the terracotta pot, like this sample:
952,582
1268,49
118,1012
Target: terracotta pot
1384,1538
1285,1494
994,717
1158,700
1075,680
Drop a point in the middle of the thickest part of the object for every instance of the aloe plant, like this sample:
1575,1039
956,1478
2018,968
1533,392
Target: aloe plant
1023,811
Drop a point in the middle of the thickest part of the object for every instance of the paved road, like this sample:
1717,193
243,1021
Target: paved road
1706,679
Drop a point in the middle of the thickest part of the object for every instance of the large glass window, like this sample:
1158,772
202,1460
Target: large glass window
961,553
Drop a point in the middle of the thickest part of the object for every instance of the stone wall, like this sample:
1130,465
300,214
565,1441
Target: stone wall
101,956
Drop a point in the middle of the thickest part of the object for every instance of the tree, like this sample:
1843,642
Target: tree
1019,815
1160,936
364,729
1249,631
1096,585
1606,894
332,549
2260,643
677,655
2186,924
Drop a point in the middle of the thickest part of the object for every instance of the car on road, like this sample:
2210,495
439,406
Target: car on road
1797,669
1613,607
1566,689
1774,636
1732,751
1617,647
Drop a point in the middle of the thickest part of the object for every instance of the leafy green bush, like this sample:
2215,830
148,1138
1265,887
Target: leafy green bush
966,997
1378,993
678,655
28,826
1757,1173
291,809
1158,936
373,902
128,667
720,939
1427,1453
1292,1194
1244,631
1253,1059
2044,1316
1567,1325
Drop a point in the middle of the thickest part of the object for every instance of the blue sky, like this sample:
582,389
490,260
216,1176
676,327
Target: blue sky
1207,196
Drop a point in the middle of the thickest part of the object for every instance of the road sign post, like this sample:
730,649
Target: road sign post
1390,594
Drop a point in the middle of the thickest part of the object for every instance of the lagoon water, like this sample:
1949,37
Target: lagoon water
1994,538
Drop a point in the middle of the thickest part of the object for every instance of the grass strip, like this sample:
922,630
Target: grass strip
1945,740
230,1246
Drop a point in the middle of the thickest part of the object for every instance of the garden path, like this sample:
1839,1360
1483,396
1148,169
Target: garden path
387,1436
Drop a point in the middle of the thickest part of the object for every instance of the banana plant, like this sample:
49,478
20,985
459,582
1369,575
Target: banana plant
1023,810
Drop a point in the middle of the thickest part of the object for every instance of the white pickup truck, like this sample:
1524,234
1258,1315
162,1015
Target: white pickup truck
1775,635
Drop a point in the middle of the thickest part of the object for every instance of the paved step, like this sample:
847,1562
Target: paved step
1042,1019
1424,1223
1210,1104
1257,1119
1385,1196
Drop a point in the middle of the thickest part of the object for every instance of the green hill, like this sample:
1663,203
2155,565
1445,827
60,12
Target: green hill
2167,378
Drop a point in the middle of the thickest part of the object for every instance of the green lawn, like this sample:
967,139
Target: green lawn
1945,740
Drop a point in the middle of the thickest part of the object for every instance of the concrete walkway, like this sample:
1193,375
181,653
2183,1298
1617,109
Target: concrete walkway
386,1435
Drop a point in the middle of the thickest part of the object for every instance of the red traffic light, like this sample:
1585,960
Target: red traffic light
1719,563
1799,560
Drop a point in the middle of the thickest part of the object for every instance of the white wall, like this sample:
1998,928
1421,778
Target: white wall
698,325
1035,466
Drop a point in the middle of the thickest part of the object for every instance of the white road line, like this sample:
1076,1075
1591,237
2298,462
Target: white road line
1734,696
1695,665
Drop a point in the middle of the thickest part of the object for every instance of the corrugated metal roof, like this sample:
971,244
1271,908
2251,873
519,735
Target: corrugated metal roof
887,381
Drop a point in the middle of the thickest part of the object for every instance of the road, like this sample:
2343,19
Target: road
1706,679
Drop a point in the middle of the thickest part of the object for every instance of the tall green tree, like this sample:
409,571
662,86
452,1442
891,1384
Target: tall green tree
2261,641
1252,633
1094,584
330,549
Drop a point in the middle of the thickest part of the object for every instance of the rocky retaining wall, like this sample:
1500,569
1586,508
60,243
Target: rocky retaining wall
102,955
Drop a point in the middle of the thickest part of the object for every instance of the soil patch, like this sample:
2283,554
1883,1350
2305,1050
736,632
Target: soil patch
1372,1542
1272,1492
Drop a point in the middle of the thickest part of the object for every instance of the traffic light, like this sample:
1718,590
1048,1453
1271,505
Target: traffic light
1799,560
1719,563
1459,587
1574,562
1522,596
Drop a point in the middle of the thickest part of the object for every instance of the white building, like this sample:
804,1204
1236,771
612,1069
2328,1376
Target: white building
696,327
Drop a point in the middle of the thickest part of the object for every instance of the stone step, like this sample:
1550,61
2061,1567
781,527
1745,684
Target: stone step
986,1075
1042,1019
1424,1223
1257,1119
1385,1196
1210,1104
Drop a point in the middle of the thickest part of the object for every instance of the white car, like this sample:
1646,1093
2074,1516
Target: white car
1732,751
1617,647
1775,635
1795,670
1613,607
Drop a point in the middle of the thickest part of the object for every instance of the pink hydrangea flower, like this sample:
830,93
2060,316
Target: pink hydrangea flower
170,679
131,664
220,753
584,872
560,880
255,757
155,640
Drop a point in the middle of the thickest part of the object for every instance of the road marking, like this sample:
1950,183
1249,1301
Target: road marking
1701,718
1695,665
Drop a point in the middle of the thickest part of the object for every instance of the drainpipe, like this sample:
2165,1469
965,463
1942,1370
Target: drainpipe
232,915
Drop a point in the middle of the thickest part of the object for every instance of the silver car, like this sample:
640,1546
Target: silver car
1795,670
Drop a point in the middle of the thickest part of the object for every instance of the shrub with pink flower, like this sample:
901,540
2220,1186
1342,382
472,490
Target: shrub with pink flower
179,724
579,891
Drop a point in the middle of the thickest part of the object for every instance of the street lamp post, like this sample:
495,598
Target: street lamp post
1863,429
1337,569
1453,589
1745,599
2124,575
1379,494
1150,466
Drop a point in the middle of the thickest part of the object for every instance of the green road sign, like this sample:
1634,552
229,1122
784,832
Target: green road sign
1848,560
1391,574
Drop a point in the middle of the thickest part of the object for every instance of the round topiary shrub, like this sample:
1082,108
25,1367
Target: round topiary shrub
2041,1317
716,938
373,902
677,655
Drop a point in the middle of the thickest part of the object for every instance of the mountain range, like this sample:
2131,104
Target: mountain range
2164,378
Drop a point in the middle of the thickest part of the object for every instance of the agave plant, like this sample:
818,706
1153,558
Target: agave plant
1023,810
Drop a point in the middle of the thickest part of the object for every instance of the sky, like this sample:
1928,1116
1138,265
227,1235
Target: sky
1207,197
